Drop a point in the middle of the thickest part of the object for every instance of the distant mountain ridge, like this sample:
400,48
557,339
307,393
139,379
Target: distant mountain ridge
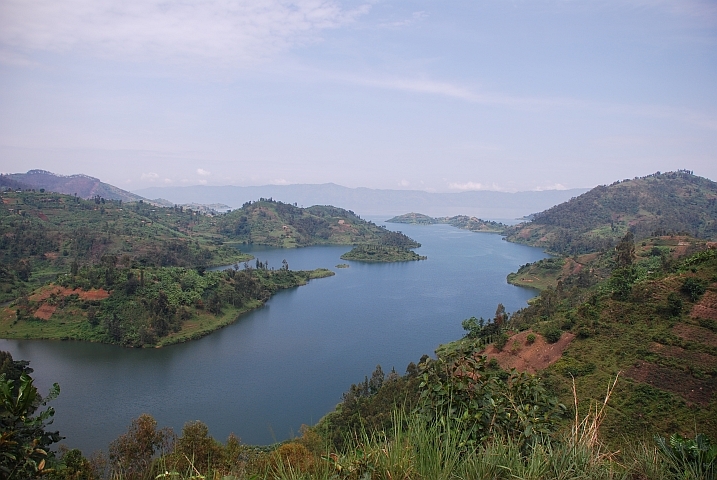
83,186
367,201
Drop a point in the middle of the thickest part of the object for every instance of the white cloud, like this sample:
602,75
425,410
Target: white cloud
279,181
151,176
470,186
555,186
466,186
227,31
203,173
404,183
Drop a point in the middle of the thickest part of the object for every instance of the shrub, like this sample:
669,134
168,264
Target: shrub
674,304
694,288
552,334
530,339
689,458
501,341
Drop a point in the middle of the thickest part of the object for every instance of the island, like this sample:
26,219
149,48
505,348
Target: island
381,253
460,221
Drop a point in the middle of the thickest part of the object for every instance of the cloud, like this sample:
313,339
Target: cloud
224,31
556,186
203,173
404,183
466,186
151,176
279,181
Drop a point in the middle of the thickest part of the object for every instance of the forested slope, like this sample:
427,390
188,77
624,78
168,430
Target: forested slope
269,222
662,203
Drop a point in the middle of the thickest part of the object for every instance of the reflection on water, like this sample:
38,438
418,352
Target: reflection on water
288,362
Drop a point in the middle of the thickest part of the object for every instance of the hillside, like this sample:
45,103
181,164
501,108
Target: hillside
44,234
654,320
659,204
278,224
459,221
82,186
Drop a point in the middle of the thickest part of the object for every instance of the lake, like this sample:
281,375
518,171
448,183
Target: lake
288,363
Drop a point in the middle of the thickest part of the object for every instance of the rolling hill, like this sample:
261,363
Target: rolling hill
83,186
662,203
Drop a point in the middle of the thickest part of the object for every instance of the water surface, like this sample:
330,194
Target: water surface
289,362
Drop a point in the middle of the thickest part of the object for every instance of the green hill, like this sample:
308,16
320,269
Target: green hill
659,204
278,224
43,234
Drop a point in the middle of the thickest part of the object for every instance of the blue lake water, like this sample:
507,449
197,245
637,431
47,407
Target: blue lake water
288,363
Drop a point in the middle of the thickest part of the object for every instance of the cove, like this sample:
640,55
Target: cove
288,363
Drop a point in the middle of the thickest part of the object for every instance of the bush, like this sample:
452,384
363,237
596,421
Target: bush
674,304
530,339
501,341
552,334
694,288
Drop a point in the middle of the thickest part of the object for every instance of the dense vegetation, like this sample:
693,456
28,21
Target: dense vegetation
269,222
659,204
381,253
45,234
144,306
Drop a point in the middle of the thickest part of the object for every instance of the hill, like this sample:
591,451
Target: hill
662,203
654,320
278,224
44,234
83,186
459,221
368,201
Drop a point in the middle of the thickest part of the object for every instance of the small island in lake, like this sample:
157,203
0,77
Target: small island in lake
381,253
459,221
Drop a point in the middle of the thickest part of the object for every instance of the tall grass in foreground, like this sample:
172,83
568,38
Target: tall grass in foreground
441,451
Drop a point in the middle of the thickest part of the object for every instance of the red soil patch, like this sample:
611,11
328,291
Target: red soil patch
52,255
42,216
698,358
529,358
694,333
45,311
707,307
675,381
92,294
570,267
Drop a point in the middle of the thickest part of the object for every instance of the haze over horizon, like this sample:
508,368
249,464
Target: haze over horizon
435,96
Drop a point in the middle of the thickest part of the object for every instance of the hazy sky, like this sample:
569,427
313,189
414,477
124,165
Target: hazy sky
432,95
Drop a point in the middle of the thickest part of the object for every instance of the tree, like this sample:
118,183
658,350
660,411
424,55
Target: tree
625,251
24,441
501,317
132,453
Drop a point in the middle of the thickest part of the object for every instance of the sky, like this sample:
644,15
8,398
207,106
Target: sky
442,96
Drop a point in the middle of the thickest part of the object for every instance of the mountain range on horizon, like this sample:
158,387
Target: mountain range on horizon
368,201
364,201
